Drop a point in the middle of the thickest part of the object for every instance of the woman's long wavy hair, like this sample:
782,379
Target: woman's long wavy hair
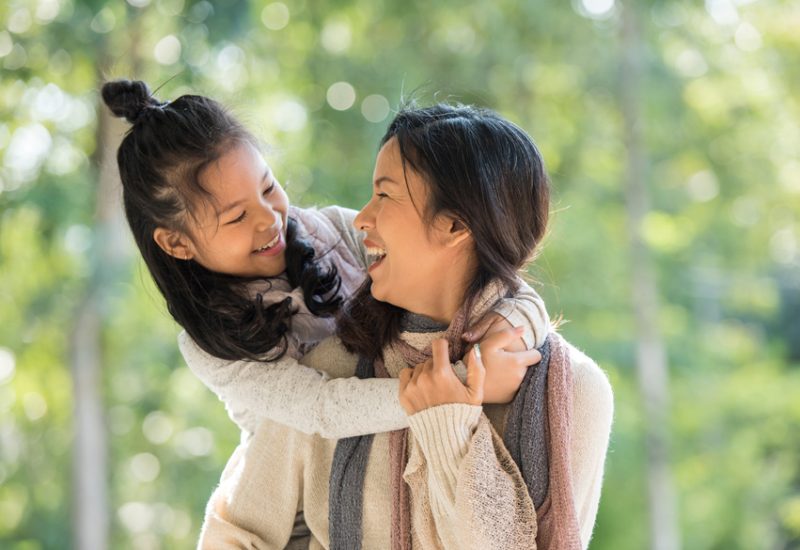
161,163
479,168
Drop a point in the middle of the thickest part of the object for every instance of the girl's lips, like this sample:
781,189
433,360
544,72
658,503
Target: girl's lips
275,249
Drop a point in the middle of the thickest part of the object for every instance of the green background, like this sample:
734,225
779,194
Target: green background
715,131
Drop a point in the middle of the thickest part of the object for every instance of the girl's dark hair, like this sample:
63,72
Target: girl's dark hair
161,161
484,171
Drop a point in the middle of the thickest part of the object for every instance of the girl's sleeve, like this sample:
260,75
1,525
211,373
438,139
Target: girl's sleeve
342,219
526,309
297,396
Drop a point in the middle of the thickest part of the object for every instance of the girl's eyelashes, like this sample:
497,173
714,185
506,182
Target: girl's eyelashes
241,218
269,189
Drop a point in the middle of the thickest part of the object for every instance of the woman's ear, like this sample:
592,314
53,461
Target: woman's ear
457,233
174,243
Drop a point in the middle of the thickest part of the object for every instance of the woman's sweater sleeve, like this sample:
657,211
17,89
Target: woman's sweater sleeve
461,470
470,492
297,396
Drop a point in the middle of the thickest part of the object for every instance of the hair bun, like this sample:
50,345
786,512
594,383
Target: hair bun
128,98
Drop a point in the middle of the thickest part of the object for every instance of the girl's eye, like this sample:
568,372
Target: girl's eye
269,189
239,219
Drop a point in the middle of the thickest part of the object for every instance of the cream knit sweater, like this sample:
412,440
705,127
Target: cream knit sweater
313,401
281,471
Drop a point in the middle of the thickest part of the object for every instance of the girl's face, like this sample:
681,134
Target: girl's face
242,231
419,267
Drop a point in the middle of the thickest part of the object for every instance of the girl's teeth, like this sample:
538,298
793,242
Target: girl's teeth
270,244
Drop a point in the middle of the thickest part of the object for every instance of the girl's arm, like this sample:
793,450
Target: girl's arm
297,396
525,308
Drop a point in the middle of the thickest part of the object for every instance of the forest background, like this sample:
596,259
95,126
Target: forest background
670,130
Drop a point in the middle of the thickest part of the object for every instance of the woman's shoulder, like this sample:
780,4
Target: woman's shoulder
592,393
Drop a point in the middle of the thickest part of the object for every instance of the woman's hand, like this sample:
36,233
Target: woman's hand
435,383
505,358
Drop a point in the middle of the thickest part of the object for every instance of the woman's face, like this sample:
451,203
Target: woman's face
415,266
242,231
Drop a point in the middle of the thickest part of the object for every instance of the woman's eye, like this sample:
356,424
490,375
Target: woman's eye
381,195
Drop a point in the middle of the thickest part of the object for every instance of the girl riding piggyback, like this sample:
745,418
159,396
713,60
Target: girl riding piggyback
255,283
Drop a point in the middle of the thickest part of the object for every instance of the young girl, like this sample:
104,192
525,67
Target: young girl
255,282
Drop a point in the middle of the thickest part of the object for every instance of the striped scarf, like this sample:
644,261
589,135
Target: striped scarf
536,435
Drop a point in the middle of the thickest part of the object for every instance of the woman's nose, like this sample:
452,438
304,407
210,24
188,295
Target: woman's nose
364,220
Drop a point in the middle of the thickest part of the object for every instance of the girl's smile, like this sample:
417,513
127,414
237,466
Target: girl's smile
241,229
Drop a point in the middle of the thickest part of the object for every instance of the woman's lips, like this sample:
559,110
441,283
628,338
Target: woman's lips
375,264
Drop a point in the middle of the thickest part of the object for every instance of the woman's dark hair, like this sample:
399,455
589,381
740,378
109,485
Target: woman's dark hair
480,169
161,161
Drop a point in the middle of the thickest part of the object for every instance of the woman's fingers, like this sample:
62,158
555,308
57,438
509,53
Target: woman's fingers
405,377
441,355
476,375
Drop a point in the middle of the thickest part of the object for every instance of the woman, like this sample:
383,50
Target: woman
460,203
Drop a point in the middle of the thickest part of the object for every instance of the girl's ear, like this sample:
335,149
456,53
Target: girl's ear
174,243
457,233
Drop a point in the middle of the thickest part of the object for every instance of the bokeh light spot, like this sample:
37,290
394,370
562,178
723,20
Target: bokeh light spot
375,108
341,95
275,16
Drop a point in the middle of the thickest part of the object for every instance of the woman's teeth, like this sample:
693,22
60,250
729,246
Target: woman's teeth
375,254
270,244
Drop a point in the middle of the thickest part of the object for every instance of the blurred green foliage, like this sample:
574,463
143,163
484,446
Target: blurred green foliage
317,81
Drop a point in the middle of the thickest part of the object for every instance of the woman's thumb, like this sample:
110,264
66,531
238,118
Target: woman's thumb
476,374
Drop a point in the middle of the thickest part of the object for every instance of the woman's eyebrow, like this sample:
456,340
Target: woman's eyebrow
384,179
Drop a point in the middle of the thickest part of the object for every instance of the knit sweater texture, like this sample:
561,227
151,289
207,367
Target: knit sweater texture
281,471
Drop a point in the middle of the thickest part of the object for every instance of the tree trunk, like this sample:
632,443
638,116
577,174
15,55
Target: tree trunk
90,473
651,356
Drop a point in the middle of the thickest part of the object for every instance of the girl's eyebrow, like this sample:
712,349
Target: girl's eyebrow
234,204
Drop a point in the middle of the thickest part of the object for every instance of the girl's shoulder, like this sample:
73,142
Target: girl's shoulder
334,219
330,229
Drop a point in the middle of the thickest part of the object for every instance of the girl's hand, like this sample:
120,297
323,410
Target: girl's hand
504,357
434,383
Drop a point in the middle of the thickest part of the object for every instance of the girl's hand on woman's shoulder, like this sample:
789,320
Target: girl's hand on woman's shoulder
505,359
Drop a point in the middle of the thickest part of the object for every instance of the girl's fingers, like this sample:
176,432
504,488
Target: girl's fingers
526,358
499,340
478,330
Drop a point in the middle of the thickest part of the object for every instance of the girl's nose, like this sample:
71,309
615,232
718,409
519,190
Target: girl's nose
266,217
